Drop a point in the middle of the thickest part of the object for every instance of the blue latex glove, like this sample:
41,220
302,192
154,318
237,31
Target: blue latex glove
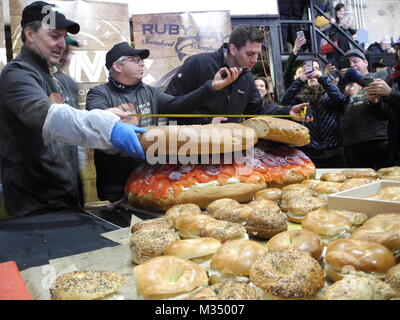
125,139
351,76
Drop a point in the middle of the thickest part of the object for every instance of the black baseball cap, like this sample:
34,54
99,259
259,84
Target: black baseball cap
124,49
386,61
33,12
355,53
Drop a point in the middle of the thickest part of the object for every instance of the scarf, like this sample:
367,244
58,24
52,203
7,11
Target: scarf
396,74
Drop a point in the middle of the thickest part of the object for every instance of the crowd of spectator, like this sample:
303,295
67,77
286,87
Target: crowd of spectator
351,90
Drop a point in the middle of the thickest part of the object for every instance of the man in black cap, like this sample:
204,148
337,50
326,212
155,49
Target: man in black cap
365,138
39,128
126,94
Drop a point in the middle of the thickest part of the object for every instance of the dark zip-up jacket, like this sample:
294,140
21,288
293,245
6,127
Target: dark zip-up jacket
112,171
37,175
241,97
326,106
388,108
358,124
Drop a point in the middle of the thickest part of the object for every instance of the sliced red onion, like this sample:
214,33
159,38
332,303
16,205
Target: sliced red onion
149,172
281,161
259,153
212,169
167,168
186,168
175,176
254,163
269,160
302,155
292,159
148,179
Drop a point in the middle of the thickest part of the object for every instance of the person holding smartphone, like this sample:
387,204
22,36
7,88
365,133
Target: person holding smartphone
344,21
326,102
384,102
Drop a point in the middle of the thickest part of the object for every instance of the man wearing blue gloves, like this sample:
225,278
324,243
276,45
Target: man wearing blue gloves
39,132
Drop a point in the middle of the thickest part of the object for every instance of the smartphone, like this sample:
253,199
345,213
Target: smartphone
243,69
367,81
300,34
308,66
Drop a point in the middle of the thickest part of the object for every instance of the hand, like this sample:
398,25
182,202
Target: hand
295,113
218,119
332,21
299,42
316,74
378,88
331,69
373,98
124,138
224,77
124,112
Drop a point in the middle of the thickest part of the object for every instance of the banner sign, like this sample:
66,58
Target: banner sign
173,37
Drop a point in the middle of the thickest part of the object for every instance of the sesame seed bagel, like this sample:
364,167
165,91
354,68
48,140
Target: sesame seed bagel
393,277
227,290
265,224
176,211
158,223
86,285
359,288
287,274
199,226
148,243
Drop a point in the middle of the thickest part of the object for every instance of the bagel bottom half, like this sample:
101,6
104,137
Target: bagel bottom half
241,192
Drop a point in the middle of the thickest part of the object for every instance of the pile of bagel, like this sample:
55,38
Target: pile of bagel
284,244
251,251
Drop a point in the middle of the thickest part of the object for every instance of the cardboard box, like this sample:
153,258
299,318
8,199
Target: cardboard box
354,199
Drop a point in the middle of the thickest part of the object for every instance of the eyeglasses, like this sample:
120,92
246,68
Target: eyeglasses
134,59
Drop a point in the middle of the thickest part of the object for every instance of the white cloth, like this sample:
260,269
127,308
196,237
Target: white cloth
88,129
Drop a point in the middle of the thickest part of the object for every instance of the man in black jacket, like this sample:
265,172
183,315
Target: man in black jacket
241,97
126,93
39,130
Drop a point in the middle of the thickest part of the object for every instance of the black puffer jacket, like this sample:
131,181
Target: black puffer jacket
325,106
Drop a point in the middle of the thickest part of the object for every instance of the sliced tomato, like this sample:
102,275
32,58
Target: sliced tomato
243,170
